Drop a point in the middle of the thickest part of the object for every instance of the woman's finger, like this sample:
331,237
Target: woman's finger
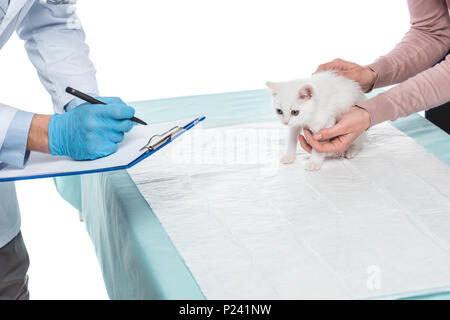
316,145
329,133
304,144
326,66
338,144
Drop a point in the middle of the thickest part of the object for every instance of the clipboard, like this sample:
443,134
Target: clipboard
139,144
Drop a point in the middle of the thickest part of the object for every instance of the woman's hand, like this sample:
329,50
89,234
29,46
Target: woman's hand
365,76
337,139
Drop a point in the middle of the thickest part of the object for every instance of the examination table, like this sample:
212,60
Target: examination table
137,258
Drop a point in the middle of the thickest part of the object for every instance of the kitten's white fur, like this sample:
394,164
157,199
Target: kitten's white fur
320,100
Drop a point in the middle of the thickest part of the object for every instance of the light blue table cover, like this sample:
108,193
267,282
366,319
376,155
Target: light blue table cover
137,258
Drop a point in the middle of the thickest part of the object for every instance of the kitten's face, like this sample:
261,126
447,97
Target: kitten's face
293,102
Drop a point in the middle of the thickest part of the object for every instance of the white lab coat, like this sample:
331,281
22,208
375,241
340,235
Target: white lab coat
55,43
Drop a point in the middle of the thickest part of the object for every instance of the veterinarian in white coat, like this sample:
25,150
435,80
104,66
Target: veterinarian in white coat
55,43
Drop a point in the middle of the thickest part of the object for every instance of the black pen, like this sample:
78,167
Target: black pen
91,100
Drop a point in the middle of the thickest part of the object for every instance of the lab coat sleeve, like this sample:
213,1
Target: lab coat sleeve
55,43
13,149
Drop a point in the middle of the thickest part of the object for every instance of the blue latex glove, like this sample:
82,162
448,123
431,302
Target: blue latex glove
90,131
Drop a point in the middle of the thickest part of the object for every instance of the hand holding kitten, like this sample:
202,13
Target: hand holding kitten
338,138
363,75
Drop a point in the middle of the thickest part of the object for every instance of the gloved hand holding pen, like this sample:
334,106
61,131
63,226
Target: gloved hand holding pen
88,132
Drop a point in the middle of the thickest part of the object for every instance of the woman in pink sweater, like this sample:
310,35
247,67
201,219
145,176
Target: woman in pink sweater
423,83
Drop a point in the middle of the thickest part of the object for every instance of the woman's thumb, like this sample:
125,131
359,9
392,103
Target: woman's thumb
328,133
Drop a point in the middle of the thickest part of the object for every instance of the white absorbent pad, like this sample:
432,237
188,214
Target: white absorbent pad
248,227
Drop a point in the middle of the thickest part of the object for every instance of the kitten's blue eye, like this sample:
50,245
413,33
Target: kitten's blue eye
295,113
279,111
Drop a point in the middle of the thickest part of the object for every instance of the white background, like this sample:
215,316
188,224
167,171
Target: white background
153,49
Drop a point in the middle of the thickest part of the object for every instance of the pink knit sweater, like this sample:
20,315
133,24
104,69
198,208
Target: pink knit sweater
423,85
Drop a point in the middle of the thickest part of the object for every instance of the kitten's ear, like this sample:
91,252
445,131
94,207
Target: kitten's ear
306,92
273,86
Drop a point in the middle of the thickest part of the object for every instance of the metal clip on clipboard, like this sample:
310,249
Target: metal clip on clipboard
164,137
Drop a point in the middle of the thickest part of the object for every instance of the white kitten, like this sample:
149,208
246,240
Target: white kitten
316,103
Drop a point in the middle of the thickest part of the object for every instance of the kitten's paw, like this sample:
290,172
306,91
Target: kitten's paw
312,165
351,152
288,158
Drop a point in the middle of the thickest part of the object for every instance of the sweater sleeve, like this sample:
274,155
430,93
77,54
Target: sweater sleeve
427,41
424,91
